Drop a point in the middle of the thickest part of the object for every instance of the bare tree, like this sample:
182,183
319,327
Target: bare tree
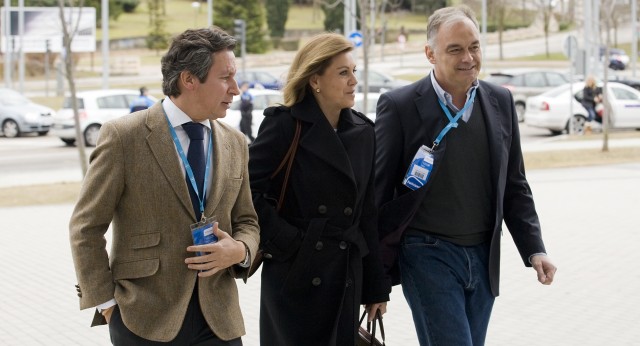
546,9
606,12
69,29
498,10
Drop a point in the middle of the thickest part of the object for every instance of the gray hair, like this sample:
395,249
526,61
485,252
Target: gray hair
448,15
192,51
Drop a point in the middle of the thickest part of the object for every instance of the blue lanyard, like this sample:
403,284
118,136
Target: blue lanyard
453,121
187,166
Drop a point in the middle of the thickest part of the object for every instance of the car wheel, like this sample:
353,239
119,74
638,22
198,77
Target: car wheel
42,133
10,128
578,124
68,141
520,109
555,132
91,135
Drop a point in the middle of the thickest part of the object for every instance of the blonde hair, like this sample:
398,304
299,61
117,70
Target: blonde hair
313,58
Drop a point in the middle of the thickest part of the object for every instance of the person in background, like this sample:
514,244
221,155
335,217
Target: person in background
321,249
591,96
141,102
449,170
154,176
246,111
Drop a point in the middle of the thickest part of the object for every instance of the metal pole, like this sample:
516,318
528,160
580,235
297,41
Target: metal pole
634,36
21,40
7,46
209,13
105,44
243,48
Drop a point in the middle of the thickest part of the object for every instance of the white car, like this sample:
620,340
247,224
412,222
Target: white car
550,110
95,107
262,98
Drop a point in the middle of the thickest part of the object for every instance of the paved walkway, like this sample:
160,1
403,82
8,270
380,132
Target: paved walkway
588,223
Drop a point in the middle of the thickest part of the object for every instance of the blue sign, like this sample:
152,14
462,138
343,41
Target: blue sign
356,38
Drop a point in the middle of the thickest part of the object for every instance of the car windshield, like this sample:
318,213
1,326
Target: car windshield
499,79
13,98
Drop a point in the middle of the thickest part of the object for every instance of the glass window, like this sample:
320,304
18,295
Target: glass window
623,94
112,102
67,103
535,80
555,79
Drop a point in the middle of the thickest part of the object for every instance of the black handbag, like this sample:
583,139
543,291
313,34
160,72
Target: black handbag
287,160
367,337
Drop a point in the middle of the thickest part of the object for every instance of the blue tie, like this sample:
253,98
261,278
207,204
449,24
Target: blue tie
197,160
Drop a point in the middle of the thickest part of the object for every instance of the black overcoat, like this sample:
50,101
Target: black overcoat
321,249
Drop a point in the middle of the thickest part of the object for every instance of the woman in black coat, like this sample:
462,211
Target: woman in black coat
321,249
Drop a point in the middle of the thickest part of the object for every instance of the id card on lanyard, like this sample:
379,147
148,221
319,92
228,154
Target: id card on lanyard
422,164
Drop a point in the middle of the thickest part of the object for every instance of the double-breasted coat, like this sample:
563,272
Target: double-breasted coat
321,249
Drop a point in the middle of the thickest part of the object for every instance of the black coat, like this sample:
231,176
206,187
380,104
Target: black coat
321,250
409,117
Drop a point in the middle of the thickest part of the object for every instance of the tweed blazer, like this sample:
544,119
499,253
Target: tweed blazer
136,186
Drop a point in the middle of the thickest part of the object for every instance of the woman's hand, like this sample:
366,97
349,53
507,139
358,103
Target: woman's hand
371,310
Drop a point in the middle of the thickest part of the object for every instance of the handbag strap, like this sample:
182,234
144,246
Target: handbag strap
288,161
372,329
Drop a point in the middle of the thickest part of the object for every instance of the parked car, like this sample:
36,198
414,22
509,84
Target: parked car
379,82
259,79
551,110
372,103
526,83
262,98
19,115
95,107
618,58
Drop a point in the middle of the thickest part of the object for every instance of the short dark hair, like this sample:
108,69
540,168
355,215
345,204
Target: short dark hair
192,51
143,90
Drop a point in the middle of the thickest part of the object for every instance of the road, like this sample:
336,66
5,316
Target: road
37,160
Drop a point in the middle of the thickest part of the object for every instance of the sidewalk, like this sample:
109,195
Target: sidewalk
588,222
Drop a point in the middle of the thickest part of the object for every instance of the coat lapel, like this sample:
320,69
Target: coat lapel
320,139
220,165
493,116
164,152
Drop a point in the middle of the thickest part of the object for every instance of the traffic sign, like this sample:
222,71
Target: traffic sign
356,38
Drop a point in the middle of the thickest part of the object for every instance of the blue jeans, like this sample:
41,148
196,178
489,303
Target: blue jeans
447,288
592,113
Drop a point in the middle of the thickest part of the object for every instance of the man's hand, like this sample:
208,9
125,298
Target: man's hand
107,313
545,269
218,256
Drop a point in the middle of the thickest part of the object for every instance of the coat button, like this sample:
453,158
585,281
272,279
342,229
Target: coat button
267,255
343,245
322,209
316,281
348,283
80,294
348,211
319,245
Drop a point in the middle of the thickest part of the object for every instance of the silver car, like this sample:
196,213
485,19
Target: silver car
19,115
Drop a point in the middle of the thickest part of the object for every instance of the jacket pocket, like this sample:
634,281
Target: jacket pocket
144,240
135,269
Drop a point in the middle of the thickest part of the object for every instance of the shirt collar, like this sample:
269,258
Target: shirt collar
176,116
444,96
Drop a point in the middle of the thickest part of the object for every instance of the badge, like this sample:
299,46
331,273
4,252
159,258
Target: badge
420,169
202,232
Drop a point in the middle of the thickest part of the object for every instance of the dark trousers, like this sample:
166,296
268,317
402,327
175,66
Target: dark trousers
447,288
194,331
